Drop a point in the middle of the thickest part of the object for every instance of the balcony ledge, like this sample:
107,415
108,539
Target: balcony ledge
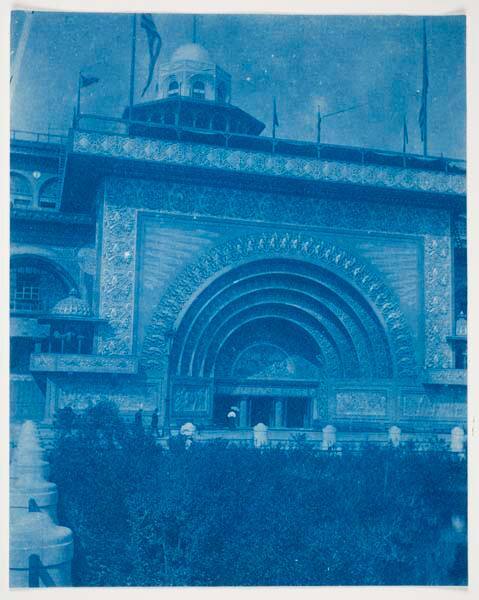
83,363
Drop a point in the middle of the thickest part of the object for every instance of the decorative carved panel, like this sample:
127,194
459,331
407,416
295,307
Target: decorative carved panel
117,279
191,398
437,301
420,405
359,403
128,396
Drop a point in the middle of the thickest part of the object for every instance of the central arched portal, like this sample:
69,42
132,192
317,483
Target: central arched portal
267,327
271,370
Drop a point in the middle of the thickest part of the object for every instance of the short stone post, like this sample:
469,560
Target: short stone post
40,551
35,535
260,435
394,436
188,431
329,437
31,472
457,439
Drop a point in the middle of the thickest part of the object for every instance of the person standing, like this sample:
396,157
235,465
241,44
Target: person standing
154,422
232,418
139,419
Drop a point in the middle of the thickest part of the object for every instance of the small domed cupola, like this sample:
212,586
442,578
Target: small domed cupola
191,52
192,74
72,306
192,93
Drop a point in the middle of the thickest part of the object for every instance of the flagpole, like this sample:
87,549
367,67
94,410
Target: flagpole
425,86
78,95
425,75
319,131
132,66
20,52
274,118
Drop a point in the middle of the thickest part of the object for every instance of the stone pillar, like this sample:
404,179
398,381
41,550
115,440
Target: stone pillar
30,471
329,437
394,436
260,435
34,536
279,412
315,409
243,413
457,439
51,401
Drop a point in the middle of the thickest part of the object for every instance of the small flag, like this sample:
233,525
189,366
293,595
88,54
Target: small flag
425,86
154,46
275,114
86,81
275,118
405,136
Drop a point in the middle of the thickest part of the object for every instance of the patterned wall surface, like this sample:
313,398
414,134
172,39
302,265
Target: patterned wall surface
168,244
119,243
359,403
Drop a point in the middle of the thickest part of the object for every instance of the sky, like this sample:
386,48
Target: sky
336,62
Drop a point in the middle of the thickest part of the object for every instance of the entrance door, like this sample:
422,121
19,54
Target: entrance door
261,410
297,412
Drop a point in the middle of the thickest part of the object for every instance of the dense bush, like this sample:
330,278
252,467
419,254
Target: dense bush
217,515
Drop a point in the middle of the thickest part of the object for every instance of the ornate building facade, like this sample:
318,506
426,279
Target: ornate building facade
177,259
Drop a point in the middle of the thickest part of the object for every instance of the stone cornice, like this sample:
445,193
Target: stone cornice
259,163
19,214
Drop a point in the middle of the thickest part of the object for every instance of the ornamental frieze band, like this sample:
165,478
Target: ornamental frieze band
241,161
244,204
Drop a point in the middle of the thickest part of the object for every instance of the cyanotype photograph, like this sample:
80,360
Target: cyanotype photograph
238,300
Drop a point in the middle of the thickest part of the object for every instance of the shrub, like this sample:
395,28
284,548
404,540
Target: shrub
215,515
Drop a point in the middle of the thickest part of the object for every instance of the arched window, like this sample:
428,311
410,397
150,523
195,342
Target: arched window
221,92
49,194
198,90
21,191
35,286
173,88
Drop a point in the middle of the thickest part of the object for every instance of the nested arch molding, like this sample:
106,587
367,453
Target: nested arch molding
363,287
